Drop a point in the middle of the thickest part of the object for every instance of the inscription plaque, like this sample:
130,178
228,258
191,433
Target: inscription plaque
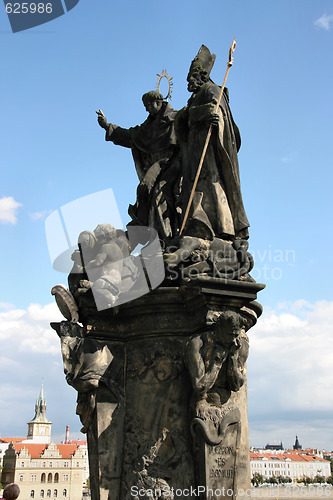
219,465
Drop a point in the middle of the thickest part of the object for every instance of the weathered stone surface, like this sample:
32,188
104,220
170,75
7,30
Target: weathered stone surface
161,379
168,408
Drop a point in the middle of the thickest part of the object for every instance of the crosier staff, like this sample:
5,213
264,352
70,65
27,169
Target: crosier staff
229,64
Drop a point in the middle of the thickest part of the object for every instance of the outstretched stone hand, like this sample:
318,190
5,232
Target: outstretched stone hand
102,121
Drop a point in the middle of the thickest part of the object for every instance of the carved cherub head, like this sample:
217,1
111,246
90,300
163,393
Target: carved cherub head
105,232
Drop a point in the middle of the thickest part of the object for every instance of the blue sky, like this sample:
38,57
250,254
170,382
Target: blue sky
105,55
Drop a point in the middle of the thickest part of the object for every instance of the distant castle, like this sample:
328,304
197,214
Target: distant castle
297,446
274,446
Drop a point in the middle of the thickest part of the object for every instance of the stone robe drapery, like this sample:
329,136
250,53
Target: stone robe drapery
155,152
217,209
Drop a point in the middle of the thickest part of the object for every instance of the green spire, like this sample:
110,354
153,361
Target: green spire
40,408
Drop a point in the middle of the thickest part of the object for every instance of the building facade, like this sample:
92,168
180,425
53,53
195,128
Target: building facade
45,470
288,464
41,468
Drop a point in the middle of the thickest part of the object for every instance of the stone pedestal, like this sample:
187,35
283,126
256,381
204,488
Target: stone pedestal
161,389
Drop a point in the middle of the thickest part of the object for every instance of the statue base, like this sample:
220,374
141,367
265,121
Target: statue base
161,387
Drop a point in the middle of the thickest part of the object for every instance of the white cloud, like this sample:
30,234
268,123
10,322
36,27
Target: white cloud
287,159
6,305
8,208
39,215
324,22
290,157
29,352
290,366
290,374
30,329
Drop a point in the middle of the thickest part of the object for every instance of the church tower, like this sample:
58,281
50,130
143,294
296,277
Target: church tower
297,445
39,428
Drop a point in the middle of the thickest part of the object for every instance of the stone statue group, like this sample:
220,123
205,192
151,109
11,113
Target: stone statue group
167,149
161,380
210,241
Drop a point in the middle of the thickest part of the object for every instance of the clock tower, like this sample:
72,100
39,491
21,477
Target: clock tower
39,428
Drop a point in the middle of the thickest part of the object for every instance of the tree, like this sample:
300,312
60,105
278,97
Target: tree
273,480
284,479
307,480
257,479
319,479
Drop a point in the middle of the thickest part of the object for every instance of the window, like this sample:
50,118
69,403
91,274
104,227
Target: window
56,478
66,464
21,478
49,478
43,478
44,464
42,493
33,477
55,493
32,494
64,493
50,464
65,477
48,494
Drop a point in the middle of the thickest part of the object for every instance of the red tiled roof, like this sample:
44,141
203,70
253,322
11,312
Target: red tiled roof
66,450
36,450
295,457
313,458
260,456
9,440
